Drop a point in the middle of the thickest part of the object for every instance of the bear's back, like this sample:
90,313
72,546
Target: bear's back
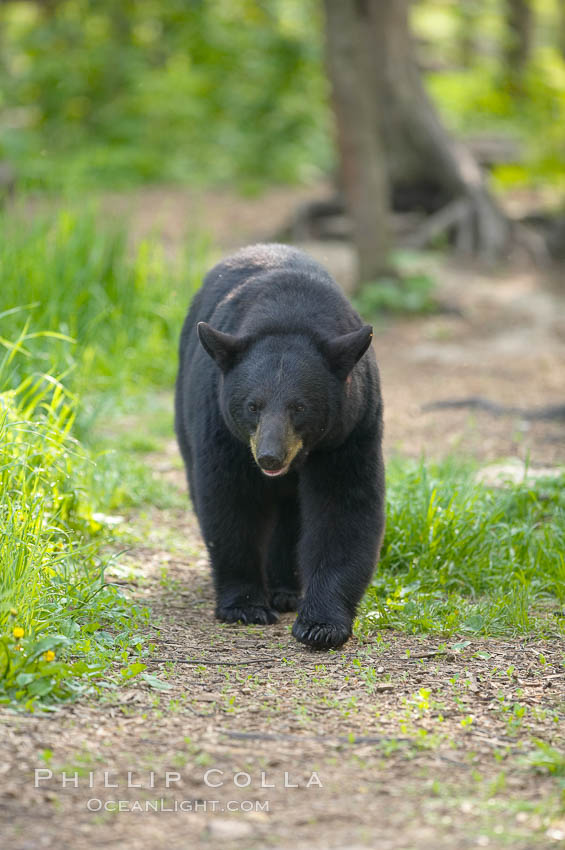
270,286
245,273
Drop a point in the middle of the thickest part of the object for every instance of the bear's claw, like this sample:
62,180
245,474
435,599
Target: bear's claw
259,614
320,635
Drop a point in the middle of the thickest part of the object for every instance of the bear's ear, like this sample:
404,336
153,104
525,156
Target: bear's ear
223,348
343,352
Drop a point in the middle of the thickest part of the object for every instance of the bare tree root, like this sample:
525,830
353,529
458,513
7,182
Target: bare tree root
453,214
533,243
475,224
472,223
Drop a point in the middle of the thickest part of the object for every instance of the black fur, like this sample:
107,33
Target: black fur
282,358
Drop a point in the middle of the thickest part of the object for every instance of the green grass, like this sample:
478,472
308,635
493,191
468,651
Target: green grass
461,557
121,308
53,596
61,624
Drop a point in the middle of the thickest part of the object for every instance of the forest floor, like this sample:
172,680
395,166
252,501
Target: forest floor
398,741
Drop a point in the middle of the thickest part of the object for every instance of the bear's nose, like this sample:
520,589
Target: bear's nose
270,462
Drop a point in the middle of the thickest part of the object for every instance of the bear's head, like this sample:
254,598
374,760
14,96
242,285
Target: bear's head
282,393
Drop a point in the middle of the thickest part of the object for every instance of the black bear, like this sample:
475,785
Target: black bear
278,416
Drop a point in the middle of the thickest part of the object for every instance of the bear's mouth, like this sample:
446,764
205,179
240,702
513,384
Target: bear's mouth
274,473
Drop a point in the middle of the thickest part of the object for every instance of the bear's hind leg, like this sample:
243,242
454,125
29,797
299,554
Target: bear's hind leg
234,527
241,594
282,567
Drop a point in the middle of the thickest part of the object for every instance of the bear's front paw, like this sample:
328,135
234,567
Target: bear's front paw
260,614
284,600
320,635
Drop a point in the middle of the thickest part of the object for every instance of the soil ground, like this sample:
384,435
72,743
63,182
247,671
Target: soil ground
398,742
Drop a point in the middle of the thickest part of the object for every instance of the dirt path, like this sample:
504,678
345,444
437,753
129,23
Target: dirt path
401,742
505,342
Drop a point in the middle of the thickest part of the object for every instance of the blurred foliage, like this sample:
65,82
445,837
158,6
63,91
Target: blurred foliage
481,101
462,45
411,294
97,91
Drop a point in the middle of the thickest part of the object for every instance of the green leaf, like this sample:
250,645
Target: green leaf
45,644
461,645
133,670
41,687
156,683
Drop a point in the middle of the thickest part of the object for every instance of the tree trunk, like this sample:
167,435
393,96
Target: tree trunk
419,150
519,24
468,13
362,159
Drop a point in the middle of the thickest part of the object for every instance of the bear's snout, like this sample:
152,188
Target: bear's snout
275,445
270,463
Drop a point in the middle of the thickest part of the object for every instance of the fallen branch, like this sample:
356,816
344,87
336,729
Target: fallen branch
555,412
204,662
434,653
281,736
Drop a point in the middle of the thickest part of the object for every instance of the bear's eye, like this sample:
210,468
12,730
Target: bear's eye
252,407
298,407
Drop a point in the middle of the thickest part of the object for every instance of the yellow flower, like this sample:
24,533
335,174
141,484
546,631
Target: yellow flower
49,655
18,632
